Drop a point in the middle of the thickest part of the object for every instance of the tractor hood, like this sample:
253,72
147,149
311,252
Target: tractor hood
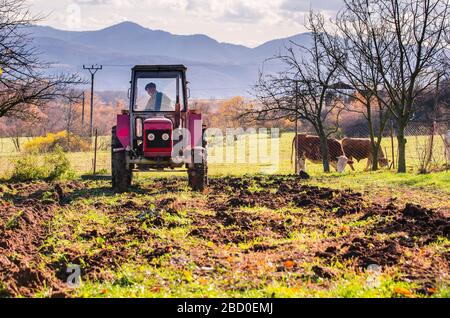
158,123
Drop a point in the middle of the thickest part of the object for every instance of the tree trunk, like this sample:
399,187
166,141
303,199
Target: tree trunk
375,152
16,141
375,147
375,138
401,149
324,151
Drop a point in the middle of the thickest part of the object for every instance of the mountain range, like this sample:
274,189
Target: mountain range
215,69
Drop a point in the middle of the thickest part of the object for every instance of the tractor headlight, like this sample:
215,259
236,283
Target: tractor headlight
165,137
151,137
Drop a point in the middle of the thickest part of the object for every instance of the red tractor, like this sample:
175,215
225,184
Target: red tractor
159,131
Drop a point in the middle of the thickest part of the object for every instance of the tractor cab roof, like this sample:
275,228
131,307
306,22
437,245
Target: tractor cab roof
159,68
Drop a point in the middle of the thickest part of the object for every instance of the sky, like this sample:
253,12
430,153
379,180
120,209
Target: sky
246,22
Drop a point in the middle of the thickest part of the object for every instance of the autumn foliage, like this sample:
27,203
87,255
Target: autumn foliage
68,142
228,113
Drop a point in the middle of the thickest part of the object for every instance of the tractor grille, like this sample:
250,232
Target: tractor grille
158,142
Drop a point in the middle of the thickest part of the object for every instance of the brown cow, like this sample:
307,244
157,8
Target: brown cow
360,149
309,148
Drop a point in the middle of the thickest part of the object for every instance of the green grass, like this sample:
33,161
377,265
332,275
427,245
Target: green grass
155,282
387,179
83,162
145,282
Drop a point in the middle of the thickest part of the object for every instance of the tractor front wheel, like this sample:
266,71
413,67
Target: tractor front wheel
121,173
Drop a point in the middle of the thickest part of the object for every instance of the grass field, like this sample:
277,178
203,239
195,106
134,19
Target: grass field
83,162
356,234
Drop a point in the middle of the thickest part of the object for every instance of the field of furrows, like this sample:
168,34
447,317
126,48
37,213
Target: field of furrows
249,236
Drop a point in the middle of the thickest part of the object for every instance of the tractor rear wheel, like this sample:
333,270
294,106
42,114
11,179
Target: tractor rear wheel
121,173
198,175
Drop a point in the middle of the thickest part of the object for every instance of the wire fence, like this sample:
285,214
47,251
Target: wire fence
427,146
427,149
81,162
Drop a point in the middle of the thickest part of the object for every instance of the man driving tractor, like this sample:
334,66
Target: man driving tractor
158,101
143,138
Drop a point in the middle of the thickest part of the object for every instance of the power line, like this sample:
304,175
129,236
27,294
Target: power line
218,88
204,64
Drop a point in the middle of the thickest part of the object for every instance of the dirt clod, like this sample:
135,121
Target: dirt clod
416,212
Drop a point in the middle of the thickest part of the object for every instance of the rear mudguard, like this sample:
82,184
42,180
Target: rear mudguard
123,131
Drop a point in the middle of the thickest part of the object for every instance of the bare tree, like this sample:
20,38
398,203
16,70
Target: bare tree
303,90
403,41
351,47
25,84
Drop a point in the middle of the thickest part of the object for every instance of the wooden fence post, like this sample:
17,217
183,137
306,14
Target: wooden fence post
392,145
447,148
95,152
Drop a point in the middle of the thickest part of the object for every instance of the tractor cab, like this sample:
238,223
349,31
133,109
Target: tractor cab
158,106
158,128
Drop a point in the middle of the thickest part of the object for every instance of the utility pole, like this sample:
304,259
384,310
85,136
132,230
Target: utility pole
93,70
82,109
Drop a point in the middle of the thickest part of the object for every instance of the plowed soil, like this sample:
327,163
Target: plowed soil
252,219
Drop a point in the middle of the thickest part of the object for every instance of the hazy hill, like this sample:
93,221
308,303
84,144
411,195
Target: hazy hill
215,69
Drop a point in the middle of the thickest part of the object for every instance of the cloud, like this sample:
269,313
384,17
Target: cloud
228,11
306,5
295,6
241,13
198,5
295,11
92,2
